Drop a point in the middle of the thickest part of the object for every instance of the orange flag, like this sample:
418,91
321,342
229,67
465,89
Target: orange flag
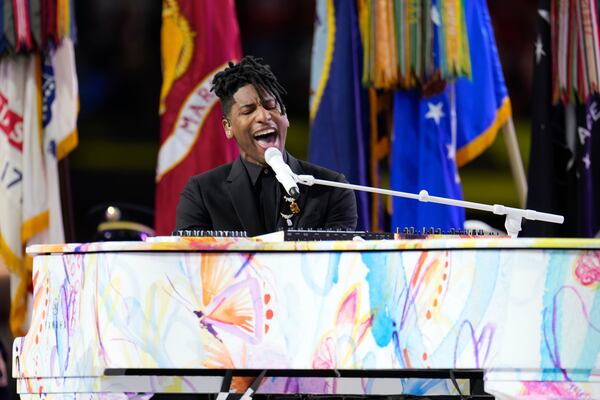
198,38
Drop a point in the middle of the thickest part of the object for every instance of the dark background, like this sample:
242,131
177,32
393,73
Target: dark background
118,66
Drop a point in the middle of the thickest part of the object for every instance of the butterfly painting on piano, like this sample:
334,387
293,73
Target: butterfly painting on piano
231,301
234,309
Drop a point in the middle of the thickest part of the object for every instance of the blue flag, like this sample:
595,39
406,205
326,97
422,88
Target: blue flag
434,136
338,104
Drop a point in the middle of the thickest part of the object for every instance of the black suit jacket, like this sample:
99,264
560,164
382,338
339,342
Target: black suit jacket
222,199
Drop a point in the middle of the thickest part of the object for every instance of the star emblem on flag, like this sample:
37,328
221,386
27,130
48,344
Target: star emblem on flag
435,112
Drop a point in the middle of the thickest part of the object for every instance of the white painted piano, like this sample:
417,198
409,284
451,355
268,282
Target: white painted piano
115,318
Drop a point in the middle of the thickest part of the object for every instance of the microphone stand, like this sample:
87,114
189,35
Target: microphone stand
514,216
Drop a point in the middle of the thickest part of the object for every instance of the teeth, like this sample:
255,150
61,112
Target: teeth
264,133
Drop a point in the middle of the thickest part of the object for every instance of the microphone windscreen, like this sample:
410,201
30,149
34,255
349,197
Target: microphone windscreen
271,153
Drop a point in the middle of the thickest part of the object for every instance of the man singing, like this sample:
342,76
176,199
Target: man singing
245,195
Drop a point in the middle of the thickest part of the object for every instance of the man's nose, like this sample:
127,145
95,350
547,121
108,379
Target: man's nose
263,114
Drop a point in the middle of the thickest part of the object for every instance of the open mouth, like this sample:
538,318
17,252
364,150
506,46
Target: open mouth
266,138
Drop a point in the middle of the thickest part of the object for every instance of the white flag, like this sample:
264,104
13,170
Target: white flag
37,129
23,211
12,88
60,107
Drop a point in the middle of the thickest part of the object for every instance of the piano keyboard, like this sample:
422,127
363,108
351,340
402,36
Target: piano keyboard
325,234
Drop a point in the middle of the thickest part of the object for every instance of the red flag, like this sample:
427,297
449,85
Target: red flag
198,38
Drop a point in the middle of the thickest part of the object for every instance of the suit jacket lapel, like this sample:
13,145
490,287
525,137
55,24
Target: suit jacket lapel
304,190
241,195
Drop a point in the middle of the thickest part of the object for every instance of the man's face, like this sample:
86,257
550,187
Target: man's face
256,124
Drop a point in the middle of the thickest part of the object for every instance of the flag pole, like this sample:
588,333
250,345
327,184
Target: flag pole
516,162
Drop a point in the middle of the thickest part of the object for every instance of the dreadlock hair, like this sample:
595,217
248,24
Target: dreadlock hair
250,70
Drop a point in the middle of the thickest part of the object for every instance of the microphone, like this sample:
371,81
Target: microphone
283,172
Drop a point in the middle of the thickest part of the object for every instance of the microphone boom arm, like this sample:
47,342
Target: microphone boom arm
512,223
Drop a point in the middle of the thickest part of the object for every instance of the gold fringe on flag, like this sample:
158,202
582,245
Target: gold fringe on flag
398,41
385,49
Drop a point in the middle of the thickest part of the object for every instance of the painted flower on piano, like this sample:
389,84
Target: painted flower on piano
587,268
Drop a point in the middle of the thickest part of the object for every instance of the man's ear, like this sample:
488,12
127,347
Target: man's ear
227,128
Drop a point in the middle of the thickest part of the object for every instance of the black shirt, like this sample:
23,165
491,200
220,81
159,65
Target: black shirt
267,193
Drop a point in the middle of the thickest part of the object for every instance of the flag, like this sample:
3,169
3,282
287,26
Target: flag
60,107
586,163
549,150
338,103
434,136
198,38
38,114
564,163
22,186
423,157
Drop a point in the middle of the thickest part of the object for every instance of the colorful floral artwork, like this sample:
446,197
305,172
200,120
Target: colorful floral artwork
525,311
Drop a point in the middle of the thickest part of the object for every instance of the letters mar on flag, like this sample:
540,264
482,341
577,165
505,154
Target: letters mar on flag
434,136
339,135
198,39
